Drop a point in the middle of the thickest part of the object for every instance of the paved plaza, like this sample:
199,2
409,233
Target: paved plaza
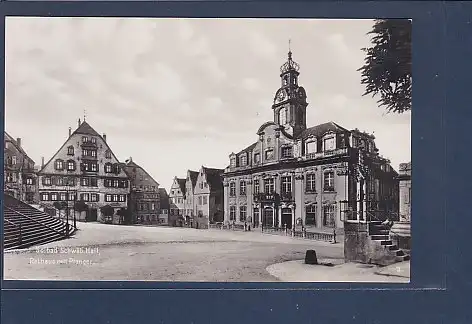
117,252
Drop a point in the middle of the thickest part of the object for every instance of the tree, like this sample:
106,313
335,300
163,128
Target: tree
387,69
60,205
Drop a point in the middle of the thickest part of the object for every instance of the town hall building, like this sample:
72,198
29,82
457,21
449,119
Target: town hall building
307,178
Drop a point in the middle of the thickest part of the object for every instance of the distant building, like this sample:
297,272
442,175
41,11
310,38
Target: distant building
313,178
189,202
19,172
85,175
404,178
177,202
208,197
144,202
164,212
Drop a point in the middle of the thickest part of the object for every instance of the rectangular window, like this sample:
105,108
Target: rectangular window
286,184
256,215
94,140
256,186
29,181
232,213
233,162
257,158
63,196
329,144
107,197
71,196
94,167
115,183
59,165
47,181
269,185
232,189
200,200
94,197
53,196
13,160
93,153
287,152
205,200
84,139
310,183
269,154
122,198
85,197
329,181
328,216
242,188
153,206
243,160
59,181
311,147
70,166
44,196
242,213
115,197
310,217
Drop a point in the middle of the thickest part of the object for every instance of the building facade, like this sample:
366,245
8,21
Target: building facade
164,210
85,175
144,200
19,172
208,197
313,178
189,209
177,202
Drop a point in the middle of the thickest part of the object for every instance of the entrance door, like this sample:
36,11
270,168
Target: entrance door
268,217
286,217
92,215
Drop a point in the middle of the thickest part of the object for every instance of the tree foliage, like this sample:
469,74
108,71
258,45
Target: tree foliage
60,205
80,206
387,68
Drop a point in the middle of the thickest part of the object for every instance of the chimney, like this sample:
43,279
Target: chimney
18,141
70,131
130,159
105,137
42,162
79,123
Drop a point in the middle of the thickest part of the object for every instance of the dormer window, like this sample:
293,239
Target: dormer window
233,162
243,160
329,143
311,146
70,150
269,154
257,158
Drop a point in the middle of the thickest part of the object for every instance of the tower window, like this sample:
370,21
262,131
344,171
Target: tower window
283,116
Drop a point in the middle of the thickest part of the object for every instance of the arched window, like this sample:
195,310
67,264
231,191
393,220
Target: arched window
283,116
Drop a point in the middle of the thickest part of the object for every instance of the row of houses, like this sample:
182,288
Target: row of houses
85,180
197,200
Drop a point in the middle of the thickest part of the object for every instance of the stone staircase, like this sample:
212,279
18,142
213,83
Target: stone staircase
26,226
380,234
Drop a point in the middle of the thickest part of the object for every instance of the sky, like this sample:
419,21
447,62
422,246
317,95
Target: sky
176,94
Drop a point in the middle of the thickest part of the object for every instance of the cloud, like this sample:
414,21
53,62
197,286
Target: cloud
262,45
251,84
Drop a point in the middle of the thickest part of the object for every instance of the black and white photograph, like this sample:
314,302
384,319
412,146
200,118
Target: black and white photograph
207,150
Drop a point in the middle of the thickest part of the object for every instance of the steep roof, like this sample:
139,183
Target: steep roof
214,177
320,130
164,198
15,143
181,183
86,129
193,177
248,149
131,164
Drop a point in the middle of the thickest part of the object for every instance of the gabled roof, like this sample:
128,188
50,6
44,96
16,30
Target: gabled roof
131,164
193,177
86,129
15,143
214,177
163,198
181,183
248,149
320,130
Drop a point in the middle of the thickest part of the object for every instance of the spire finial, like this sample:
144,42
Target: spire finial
289,49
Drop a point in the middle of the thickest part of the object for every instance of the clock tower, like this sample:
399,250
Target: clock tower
290,99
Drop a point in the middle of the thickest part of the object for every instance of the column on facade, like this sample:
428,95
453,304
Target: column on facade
277,145
299,194
226,202
250,199
364,200
358,196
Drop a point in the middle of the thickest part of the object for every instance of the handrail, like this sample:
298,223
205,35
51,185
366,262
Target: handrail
34,220
11,223
371,214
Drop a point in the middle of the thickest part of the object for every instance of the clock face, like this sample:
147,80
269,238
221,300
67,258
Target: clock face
281,95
